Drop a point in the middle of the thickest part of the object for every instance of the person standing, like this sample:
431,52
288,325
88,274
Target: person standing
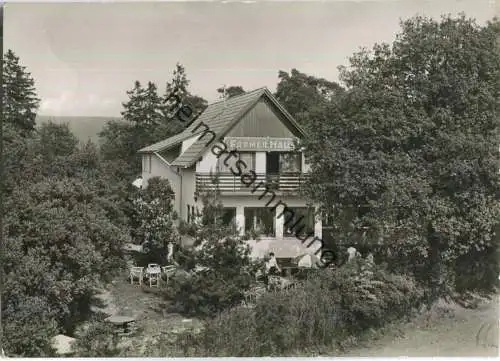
170,252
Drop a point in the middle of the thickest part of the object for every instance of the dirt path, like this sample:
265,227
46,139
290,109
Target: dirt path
449,335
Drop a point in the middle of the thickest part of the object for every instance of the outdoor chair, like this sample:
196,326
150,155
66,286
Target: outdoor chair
154,279
168,271
136,272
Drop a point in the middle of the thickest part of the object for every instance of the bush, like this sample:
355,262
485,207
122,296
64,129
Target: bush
327,309
98,340
220,265
225,273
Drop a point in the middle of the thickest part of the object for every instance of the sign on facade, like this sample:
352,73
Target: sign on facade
260,144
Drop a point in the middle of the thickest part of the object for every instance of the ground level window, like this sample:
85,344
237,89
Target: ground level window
301,223
228,216
260,220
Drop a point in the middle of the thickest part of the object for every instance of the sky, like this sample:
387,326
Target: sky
85,56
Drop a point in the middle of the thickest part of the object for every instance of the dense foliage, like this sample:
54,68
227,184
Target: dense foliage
153,220
301,94
408,157
326,311
224,268
148,117
63,226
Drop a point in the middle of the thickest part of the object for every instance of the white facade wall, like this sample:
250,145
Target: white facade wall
156,167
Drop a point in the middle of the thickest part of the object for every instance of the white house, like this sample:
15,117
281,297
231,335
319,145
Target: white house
245,147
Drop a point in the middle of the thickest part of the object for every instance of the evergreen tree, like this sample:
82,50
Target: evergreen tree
143,107
20,102
178,95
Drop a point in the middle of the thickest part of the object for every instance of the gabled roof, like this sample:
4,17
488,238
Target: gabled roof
219,117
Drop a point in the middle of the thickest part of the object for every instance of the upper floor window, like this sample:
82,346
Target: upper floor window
247,157
290,162
283,162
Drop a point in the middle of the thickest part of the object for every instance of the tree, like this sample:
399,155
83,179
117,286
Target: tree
63,230
224,267
60,246
148,118
56,140
176,95
20,102
231,91
301,93
144,106
154,216
408,157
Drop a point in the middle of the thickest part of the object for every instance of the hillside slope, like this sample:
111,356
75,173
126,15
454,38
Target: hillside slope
83,127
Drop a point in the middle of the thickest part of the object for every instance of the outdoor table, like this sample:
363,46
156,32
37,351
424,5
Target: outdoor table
153,271
123,321
156,271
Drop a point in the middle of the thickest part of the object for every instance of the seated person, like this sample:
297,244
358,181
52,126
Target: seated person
272,267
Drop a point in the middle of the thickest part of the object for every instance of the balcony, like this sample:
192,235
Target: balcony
228,183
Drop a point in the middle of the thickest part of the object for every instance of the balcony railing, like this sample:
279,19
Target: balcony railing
228,183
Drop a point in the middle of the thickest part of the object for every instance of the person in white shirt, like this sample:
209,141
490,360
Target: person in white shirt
272,265
170,251
351,251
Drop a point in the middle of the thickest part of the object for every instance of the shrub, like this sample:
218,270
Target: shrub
98,340
153,217
326,309
223,272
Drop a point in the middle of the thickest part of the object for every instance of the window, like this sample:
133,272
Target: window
290,162
189,213
260,220
228,216
247,157
299,220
